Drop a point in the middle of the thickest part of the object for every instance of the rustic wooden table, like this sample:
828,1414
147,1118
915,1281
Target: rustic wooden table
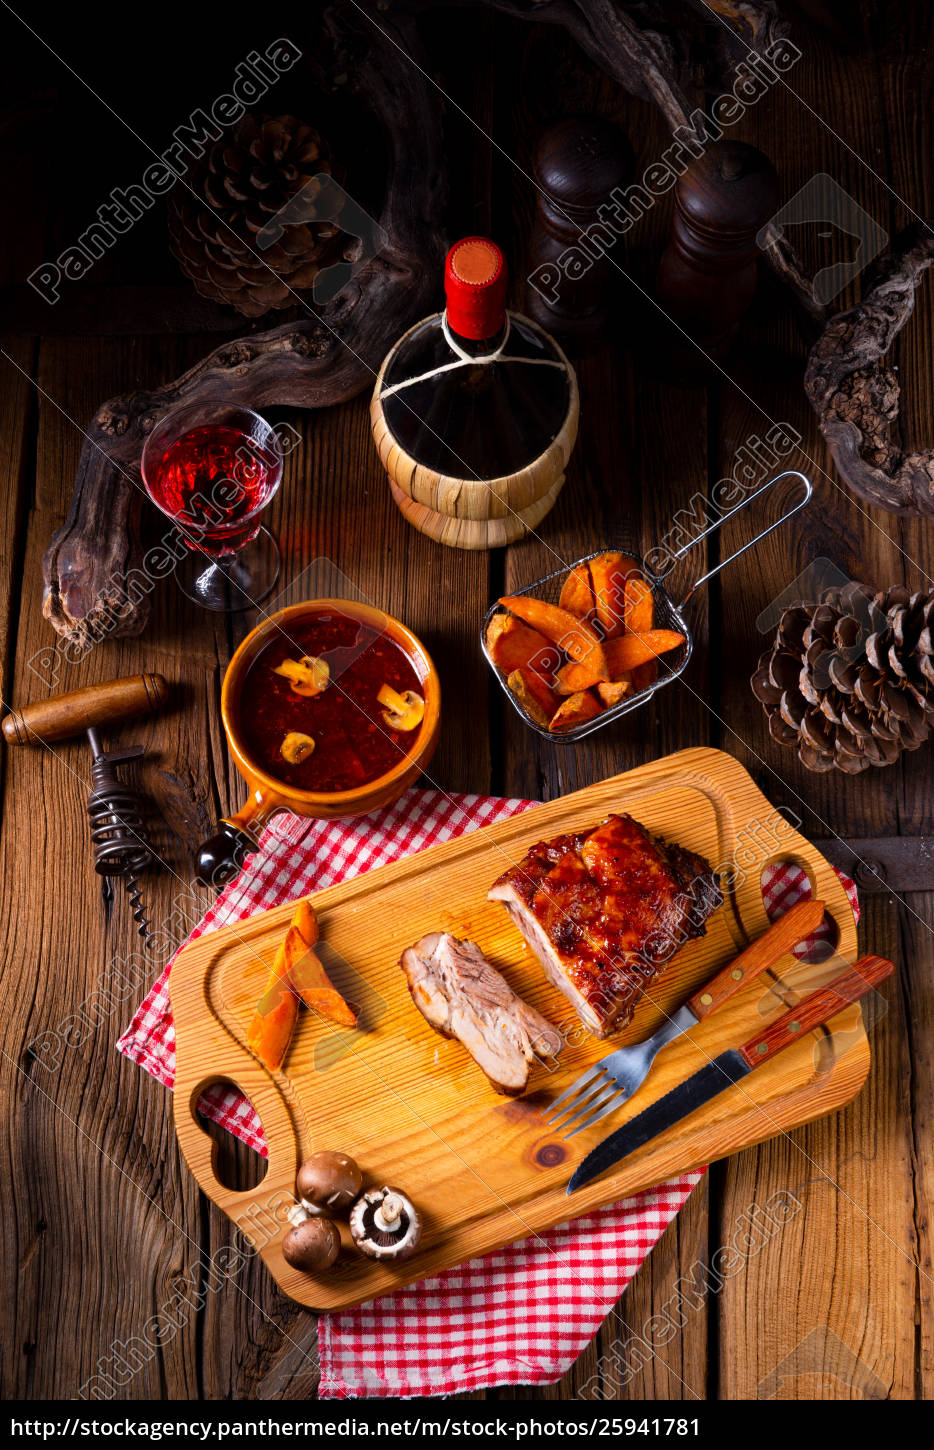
101,1217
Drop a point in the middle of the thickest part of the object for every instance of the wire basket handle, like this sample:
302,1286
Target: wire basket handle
808,489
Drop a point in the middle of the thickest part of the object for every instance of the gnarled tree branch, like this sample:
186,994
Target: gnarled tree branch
855,393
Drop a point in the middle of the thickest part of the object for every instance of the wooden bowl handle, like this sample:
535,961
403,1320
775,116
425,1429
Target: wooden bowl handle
222,856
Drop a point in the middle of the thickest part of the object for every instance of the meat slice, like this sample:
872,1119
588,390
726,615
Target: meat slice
461,995
604,910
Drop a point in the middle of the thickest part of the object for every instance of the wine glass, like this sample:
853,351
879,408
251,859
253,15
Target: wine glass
212,467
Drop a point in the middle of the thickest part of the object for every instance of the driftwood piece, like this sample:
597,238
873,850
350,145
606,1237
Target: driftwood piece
654,50
855,393
323,359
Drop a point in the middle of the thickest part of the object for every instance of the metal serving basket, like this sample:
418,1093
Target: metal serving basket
667,614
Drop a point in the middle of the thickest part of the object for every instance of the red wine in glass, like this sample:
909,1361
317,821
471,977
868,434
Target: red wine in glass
214,481
212,468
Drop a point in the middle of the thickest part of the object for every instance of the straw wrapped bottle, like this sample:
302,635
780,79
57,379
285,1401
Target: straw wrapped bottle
475,411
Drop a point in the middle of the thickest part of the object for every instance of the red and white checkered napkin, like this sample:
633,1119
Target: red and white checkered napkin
520,1316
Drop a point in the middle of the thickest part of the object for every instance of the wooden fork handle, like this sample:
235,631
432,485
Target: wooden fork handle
784,934
817,1009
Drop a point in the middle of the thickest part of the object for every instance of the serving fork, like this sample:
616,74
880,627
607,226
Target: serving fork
613,1080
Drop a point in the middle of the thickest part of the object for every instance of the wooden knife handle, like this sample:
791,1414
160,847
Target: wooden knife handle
784,934
64,715
817,1009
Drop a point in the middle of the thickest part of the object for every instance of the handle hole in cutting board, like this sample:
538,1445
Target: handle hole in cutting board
237,1166
783,883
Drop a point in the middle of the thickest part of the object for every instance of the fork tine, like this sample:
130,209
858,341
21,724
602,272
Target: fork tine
615,1100
591,1079
583,1104
610,1088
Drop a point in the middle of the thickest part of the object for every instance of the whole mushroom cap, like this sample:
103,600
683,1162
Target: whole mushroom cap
312,1245
385,1224
328,1182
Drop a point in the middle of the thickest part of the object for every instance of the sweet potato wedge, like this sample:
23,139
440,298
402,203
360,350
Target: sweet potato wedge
639,608
609,573
572,678
575,710
514,646
296,973
612,691
631,650
534,694
575,636
576,592
311,982
270,1031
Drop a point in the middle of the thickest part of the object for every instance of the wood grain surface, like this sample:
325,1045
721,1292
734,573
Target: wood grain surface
105,1225
485,1171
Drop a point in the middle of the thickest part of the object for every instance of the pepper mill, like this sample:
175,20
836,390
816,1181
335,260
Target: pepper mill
707,275
578,163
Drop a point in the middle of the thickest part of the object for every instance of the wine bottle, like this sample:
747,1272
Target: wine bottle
475,410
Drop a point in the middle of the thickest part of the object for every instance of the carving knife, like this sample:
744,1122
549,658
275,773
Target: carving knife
732,1066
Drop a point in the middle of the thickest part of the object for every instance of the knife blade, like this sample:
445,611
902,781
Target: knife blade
708,1082
732,1066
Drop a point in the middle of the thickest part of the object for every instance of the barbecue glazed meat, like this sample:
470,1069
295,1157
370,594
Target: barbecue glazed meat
604,910
460,995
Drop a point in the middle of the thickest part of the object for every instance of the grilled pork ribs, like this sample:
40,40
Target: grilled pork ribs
604,910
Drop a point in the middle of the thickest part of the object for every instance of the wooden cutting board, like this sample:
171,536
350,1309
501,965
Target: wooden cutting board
415,1110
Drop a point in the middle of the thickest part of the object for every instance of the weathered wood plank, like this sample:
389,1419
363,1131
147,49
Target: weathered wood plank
834,1289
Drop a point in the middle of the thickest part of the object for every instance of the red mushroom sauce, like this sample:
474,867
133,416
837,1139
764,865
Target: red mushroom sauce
353,744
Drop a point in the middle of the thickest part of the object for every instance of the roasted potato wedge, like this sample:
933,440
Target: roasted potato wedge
534,695
296,973
639,605
575,710
577,592
572,678
644,676
612,691
609,573
575,636
631,650
514,646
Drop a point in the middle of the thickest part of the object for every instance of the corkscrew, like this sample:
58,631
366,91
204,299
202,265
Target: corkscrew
118,832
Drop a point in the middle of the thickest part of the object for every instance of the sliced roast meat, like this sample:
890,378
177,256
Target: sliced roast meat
605,910
461,995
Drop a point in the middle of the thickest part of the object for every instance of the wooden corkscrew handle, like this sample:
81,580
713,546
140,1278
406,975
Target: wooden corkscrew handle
95,705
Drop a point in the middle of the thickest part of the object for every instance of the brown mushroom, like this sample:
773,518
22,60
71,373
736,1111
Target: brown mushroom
328,1182
296,747
307,676
403,712
384,1224
311,1244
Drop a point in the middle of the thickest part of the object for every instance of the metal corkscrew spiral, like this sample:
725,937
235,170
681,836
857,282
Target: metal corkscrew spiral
118,832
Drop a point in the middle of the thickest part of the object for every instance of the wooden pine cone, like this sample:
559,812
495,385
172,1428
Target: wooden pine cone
239,185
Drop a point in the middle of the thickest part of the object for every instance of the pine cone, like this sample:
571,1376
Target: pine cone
850,680
239,184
